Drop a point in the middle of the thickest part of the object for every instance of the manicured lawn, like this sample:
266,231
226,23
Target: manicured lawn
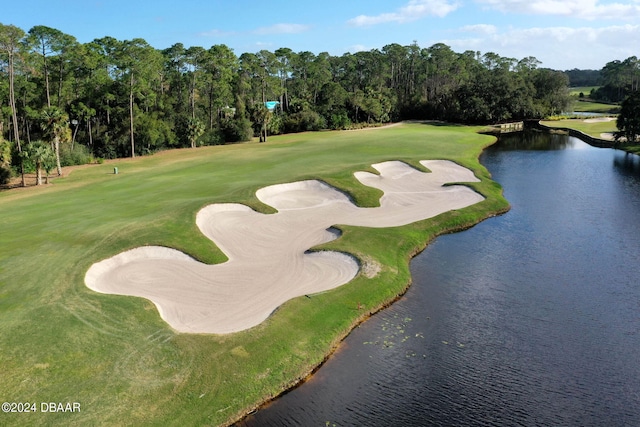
585,90
61,342
595,107
592,129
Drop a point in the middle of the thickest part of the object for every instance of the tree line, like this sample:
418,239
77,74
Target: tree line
62,101
616,81
619,80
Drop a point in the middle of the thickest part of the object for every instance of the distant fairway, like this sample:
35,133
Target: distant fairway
586,105
594,128
62,342
584,90
595,107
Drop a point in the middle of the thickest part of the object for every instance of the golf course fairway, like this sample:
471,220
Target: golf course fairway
112,359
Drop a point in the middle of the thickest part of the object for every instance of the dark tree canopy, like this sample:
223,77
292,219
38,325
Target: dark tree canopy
125,98
580,78
629,119
619,79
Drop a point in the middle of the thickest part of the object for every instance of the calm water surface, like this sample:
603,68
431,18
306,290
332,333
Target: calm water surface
530,318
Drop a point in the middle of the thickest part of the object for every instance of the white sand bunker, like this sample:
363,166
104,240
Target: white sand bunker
600,120
268,259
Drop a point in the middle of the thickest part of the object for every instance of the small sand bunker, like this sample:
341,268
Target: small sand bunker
269,259
600,119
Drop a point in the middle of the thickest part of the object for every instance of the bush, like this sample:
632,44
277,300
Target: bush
80,155
107,151
237,129
276,124
556,118
340,121
5,175
302,121
213,136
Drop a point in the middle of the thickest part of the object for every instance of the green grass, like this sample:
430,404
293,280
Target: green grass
595,107
591,129
586,105
585,90
61,342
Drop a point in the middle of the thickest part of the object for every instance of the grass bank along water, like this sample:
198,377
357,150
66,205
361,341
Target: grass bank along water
597,132
516,310
115,356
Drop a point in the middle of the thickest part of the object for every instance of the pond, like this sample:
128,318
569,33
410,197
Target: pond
530,318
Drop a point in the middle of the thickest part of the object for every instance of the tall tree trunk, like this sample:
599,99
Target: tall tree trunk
90,135
56,142
27,126
38,173
14,114
211,106
193,96
60,83
73,139
133,146
46,75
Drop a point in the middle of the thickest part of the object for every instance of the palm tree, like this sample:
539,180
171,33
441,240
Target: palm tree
55,123
195,129
42,157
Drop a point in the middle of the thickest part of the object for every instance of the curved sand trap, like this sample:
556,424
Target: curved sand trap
600,119
268,259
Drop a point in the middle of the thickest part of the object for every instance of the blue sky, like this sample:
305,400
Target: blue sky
562,34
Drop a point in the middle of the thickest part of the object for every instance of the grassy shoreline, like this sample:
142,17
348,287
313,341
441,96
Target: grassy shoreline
599,131
62,342
593,129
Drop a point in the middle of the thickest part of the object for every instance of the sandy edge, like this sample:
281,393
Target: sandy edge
269,262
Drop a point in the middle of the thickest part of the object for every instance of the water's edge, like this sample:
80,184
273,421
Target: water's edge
335,345
513,322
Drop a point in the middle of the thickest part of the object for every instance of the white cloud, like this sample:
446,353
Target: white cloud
283,29
412,11
480,29
557,47
582,9
575,36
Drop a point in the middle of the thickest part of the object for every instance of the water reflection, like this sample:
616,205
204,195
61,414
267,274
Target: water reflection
534,140
628,164
530,318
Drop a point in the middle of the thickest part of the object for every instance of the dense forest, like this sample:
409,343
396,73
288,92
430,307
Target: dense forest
619,79
584,78
115,98
615,81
